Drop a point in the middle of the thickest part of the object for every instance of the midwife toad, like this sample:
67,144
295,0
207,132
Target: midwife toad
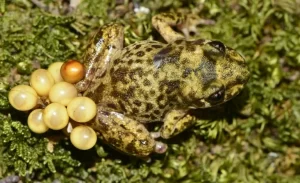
153,81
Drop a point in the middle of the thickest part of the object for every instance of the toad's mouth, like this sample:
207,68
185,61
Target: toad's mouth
229,94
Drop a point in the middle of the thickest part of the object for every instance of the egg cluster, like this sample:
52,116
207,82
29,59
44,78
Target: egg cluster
56,104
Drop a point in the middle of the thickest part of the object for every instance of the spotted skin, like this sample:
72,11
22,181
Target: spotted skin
152,81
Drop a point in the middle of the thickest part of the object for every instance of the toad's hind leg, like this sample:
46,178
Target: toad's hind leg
105,43
126,134
175,122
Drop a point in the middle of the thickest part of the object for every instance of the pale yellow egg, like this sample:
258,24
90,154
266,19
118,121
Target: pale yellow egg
83,137
62,93
41,81
35,121
54,70
82,109
55,116
23,97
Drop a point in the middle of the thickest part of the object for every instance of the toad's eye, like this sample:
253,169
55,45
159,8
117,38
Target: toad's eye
218,45
217,96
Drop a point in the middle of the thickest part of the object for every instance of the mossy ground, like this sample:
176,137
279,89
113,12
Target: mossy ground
253,138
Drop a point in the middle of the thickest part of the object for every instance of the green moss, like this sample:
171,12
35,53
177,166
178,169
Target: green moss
253,138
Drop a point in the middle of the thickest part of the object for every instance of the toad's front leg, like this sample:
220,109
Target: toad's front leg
164,22
126,134
186,23
175,122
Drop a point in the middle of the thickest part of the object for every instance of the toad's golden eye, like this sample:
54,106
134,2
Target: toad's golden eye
72,71
35,121
62,93
23,97
83,137
82,109
54,70
41,80
55,116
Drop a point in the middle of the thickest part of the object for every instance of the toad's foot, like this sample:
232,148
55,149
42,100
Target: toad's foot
175,122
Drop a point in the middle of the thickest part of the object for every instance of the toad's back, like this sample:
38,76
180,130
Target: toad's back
136,85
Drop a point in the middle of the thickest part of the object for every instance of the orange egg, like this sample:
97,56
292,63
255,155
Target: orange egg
72,71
